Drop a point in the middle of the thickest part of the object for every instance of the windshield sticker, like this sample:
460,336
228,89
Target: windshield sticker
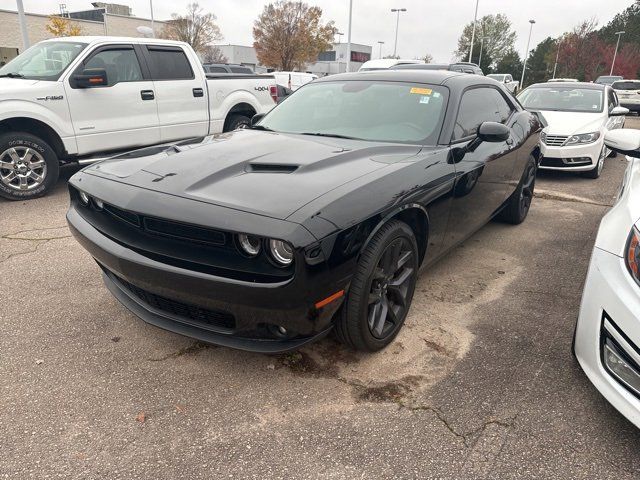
424,99
421,91
436,95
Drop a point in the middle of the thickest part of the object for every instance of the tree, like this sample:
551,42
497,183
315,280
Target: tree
196,28
511,64
498,35
288,35
428,58
627,21
539,67
62,27
582,53
213,54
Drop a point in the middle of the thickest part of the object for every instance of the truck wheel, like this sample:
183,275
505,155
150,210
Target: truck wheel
235,122
28,166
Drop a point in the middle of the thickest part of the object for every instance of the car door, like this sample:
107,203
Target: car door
183,109
484,176
121,114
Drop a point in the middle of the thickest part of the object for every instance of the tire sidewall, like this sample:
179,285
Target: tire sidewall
236,121
19,139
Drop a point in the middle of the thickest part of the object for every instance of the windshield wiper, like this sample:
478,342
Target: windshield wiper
330,135
12,75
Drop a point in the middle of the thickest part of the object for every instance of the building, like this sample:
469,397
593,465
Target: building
101,20
242,55
335,60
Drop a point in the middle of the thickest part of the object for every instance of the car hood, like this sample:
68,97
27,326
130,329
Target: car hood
10,87
266,173
570,123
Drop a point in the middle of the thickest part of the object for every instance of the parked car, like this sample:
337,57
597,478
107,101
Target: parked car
562,80
316,218
578,117
628,92
607,336
608,79
506,78
462,67
76,99
227,68
385,64
293,80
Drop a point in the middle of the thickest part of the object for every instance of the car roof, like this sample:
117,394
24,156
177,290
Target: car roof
387,62
582,85
433,77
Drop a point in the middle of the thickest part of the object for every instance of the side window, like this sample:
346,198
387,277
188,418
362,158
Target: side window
479,105
121,64
169,63
241,70
509,78
612,99
216,70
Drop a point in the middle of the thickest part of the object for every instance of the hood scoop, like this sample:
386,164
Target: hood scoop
271,168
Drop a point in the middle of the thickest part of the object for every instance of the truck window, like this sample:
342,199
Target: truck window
216,70
121,64
245,70
169,63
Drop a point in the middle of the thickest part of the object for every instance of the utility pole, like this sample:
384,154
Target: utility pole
473,31
349,37
481,45
381,43
555,66
397,12
524,67
616,52
152,22
23,26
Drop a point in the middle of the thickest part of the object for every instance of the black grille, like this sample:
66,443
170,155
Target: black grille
202,316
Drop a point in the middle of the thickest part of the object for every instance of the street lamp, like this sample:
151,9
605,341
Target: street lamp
524,67
397,12
481,45
349,37
616,52
152,21
381,43
473,31
555,66
23,25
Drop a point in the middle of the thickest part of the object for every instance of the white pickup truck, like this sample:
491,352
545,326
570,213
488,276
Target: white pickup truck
511,84
79,99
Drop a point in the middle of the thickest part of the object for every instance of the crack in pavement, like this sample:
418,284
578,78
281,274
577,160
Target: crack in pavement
16,235
188,350
564,197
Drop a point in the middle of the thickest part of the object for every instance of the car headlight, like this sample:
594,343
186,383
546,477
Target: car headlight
543,137
281,251
582,138
84,198
249,244
632,254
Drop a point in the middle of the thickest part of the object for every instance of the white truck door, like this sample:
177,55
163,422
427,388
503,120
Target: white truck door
119,115
183,108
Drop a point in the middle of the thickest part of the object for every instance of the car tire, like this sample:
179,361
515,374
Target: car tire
236,121
597,170
29,167
517,207
381,290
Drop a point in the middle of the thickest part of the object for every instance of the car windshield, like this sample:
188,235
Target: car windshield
627,85
562,99
499,78
376,111
43,61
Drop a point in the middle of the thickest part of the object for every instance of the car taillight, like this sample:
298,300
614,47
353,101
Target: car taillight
632,254
273,90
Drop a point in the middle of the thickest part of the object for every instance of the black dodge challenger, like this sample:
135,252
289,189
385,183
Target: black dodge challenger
318,217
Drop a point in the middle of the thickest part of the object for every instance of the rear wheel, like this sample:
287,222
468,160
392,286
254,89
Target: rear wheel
517,207
236,121
29,167
381,290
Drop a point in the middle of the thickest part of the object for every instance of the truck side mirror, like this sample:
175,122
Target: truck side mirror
91,77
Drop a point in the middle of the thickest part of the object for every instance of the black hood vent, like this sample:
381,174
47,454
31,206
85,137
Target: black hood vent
271,168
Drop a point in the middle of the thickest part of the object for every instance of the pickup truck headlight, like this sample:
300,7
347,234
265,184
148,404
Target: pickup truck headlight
582,138
632,254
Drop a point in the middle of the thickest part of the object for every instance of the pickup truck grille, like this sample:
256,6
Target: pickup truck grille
555,140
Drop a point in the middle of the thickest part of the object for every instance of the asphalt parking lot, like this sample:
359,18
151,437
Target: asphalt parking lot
479,384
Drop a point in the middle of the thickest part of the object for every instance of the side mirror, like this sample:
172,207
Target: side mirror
91,77
493,132
256,118
626,142
618,111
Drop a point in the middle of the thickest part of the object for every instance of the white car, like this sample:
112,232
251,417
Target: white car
607,336
578,117
293,80
386,63
507,80
562,80
628,92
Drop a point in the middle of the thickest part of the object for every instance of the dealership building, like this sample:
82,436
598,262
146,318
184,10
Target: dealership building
102,19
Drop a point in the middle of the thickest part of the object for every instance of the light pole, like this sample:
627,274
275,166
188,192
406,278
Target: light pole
381,43
152,22
349,37
473,31
23,26
555,66
481,45
524,67
616,52
397,12
339,36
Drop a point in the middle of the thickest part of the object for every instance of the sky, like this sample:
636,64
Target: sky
428,26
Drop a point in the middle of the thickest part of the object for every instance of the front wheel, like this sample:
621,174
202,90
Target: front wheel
29,167
597,170
517,207
381,290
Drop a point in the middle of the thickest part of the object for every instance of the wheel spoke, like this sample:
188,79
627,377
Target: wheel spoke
35,164
10,177
394,315
373,314
381,317
373,298
404,258
35,177
27,155
6,165
397,294
13,154
24,183
402,278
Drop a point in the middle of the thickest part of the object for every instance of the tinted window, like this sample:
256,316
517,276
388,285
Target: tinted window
627,85
121,65
168,63
240,70
477,106
612,99
216,70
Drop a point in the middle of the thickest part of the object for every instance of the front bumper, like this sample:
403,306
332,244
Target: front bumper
222,311
610,308
564,158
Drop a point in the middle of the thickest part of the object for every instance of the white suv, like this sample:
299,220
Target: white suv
628,92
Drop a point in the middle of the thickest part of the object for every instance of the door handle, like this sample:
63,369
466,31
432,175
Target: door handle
147,94
198,92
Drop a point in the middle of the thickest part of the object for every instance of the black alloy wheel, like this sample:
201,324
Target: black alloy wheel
517,207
